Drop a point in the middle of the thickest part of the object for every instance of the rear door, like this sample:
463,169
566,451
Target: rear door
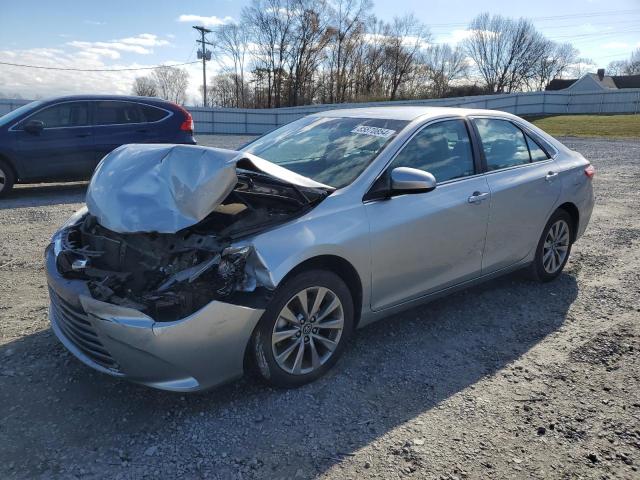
64,149
524,187
118,123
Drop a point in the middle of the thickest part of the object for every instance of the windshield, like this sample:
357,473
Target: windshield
18,111
329,150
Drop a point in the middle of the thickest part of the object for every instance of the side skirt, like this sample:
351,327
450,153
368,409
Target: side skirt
371,316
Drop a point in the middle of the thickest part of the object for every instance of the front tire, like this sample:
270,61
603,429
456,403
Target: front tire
553,247
7,179
304,330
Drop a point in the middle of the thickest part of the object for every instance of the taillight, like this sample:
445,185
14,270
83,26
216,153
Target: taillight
187,124
590,171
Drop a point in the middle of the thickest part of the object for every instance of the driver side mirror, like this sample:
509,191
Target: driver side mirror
411,180
34,126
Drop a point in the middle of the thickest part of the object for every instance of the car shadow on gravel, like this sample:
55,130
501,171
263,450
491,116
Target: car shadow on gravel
42,195
395,370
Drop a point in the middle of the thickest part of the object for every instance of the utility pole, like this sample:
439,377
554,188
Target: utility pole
205,55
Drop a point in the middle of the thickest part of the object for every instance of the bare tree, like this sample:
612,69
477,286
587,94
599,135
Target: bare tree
347,30
553,64
405,37
617,67
581,66
309,38
296,52
504,50
232,41
444,64
271,24
144,87
633,64
223,90
172,83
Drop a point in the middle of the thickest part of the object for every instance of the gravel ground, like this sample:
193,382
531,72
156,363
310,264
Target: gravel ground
510,379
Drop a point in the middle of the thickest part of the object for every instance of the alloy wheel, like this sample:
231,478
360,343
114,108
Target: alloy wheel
556,246
307,330
3,179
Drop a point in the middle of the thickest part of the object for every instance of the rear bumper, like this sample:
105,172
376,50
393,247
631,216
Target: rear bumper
198,352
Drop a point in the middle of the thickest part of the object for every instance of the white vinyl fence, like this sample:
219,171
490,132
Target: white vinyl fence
258,121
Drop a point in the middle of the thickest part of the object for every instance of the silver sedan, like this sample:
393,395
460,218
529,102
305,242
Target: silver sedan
190,265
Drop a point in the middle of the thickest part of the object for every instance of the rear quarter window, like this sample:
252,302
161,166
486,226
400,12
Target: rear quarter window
116,113
152,114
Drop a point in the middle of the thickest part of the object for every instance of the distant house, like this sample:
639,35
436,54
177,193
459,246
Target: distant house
595,82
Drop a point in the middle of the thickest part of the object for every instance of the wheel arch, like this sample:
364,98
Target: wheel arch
5,158
574,213
333,263
343,269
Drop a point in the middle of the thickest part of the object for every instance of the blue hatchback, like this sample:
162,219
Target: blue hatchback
64,138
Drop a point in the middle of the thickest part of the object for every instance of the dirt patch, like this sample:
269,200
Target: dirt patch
608,348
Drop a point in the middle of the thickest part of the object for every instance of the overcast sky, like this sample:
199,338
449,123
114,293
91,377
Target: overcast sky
140,33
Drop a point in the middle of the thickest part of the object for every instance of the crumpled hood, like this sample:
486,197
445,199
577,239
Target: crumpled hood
165,188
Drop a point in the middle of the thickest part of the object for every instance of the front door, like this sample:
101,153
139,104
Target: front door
422,243
64,149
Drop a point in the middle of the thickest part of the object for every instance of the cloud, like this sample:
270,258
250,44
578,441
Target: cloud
36,83
211,21
94,22
140,44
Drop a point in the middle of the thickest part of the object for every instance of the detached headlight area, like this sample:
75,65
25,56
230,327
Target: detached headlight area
165,276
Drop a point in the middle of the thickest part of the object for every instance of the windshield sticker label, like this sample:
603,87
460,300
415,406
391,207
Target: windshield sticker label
373,131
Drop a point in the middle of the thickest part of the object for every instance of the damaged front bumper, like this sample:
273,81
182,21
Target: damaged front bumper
200,351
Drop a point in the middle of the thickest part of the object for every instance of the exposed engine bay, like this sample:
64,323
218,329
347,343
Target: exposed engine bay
168,276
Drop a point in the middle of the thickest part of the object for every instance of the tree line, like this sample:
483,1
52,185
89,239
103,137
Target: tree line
299,52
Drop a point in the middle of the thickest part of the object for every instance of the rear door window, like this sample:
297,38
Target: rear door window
503,143
117,113
69,114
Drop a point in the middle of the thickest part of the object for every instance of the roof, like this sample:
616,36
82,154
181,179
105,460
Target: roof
608,81
560,83
104,97
627,81
407,113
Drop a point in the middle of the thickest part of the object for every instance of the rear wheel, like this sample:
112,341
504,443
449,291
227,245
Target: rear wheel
7,178
553,248
304,330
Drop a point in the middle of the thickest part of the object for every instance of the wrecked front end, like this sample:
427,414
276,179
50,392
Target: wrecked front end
170,309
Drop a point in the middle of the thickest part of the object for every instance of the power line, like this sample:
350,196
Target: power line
93,69
554,17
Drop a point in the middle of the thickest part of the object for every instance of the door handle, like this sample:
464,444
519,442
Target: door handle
82,135
477,197
550,176
142,130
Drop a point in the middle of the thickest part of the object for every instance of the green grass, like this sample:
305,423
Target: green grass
610,126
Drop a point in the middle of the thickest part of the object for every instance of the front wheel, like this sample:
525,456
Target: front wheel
304,329
553,248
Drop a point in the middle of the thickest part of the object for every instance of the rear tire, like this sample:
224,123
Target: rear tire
295,344
7,178
553,247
